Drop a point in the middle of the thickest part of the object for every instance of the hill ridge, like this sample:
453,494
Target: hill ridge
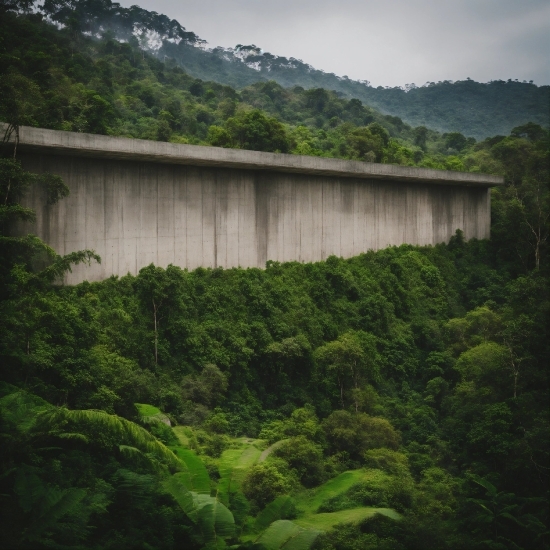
472,108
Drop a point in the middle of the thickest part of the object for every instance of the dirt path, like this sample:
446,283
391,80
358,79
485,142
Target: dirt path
270,449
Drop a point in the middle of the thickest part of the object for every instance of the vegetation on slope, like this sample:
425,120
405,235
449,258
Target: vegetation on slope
397,400
471,108
62,79
408,381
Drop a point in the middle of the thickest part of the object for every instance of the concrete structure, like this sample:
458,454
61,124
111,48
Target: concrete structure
138,202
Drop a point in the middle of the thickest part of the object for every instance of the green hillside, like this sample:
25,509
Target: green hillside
472,108
58,79
477,110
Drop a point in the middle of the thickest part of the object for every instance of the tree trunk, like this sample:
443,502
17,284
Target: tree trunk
340,381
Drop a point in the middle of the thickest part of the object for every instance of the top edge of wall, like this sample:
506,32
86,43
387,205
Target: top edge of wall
44,141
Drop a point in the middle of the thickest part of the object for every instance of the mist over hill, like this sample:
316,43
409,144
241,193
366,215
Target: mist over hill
475,109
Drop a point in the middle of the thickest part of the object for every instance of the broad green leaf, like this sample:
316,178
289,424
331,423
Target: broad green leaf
214,519
175,485
284,534
198,479
274,511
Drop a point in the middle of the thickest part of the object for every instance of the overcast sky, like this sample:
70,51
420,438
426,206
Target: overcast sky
389,43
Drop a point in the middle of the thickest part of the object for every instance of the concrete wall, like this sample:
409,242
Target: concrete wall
134,212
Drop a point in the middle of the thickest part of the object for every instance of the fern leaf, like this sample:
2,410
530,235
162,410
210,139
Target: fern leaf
63,503
20,408
73,436
29,488
139,458
128,433
137,488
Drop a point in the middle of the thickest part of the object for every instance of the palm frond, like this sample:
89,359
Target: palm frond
126,432
491,489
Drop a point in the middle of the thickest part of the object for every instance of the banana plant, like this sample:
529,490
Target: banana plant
214,521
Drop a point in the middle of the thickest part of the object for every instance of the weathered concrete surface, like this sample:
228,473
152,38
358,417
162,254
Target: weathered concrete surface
93,145
157,205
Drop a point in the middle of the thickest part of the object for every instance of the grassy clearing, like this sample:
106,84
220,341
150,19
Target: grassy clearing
310,501
248,458
243,454
286,534
324,522
147,410
181,434
233,465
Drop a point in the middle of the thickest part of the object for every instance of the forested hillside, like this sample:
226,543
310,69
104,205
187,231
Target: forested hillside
478,110
475,109
395,400
65,80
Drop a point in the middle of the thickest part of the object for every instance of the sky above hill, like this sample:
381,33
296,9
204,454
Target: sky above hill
389,43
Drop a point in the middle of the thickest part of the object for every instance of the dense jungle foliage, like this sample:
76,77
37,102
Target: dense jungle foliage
474,109
395,400
61,79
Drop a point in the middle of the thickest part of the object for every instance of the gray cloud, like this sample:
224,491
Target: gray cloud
389,43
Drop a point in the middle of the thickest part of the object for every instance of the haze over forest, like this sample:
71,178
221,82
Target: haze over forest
390,43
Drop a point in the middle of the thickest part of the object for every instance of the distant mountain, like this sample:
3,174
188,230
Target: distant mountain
475,109
472,108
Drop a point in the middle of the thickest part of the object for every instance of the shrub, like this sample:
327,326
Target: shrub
388,461
357,433
305,457
264,482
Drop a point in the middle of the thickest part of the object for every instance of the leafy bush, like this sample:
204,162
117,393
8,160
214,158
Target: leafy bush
162,432
379,490
357,433
390,462
264,482
305,458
